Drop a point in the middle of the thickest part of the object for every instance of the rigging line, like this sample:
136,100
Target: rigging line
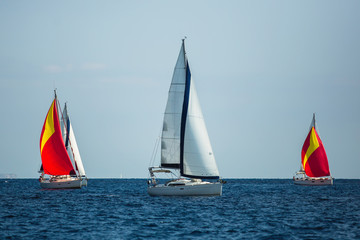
154,153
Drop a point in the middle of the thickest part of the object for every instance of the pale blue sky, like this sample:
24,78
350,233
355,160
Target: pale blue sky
261,69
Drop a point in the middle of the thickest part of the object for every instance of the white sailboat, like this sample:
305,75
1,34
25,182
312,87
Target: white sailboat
186,151
59,152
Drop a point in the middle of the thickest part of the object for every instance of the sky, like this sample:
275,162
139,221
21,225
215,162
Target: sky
261,68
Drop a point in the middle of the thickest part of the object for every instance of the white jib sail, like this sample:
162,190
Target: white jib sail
76,152
71,146
199,159
170,138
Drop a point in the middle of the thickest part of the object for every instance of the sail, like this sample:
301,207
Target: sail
170,137
63,126
185,142
198,160
313,155
71,144
55,160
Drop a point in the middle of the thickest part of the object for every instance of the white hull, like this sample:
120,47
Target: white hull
63,183
308,181
196,189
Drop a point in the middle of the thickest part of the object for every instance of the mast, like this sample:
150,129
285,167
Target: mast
314,121
184,109
183,44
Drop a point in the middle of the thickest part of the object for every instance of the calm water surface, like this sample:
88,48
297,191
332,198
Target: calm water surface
122,209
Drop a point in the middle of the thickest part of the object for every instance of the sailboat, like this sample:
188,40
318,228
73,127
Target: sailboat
186,152
61,166
314,168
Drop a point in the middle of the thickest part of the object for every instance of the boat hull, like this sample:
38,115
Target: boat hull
62,183
208,189
313,181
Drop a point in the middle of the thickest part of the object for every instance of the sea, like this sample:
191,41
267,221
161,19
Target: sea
122,209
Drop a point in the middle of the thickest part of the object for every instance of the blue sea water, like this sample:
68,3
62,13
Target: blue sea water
122,209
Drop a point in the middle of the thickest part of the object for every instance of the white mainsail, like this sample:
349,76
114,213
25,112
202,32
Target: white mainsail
170,138
185,142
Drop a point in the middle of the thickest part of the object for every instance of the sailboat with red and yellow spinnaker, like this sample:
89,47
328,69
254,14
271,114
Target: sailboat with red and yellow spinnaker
314,169
62,166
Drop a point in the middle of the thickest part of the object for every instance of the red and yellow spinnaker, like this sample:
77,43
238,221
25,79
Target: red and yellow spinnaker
313,156
54,156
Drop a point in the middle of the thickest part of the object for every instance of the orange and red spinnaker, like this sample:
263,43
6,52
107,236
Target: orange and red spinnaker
54,156
313,156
